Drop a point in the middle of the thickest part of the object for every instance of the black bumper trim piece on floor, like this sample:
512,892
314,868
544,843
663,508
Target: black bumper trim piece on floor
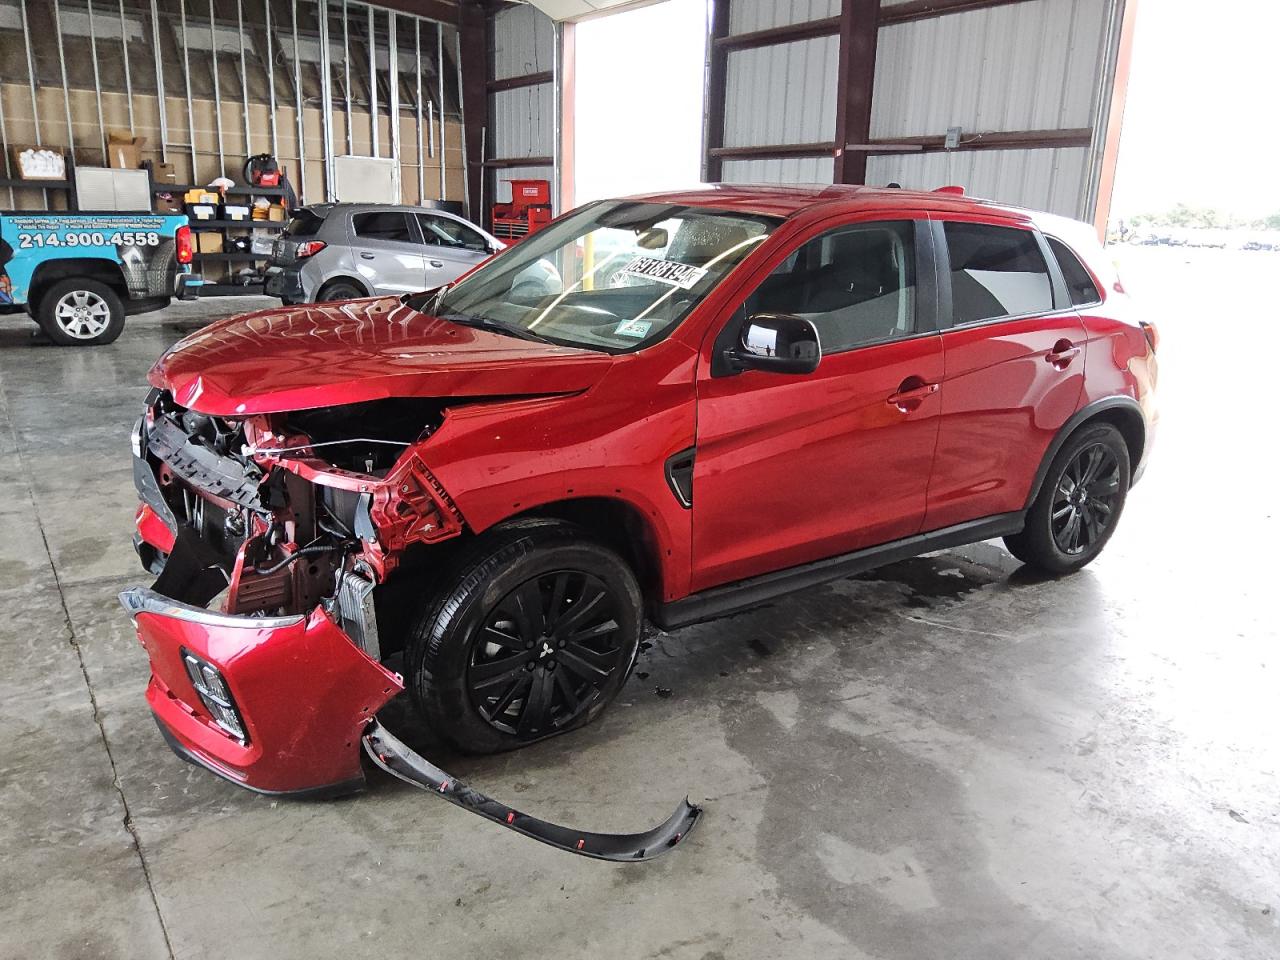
345,788
403,763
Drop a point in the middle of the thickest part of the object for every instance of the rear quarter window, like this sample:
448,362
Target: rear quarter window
305,223
1080,283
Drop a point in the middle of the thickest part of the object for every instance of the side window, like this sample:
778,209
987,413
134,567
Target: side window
1079,283
857,284
384,225
996,272
443,232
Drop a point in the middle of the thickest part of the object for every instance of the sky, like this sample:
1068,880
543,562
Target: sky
1200,122
639,100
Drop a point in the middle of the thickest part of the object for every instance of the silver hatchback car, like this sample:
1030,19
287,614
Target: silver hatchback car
343,251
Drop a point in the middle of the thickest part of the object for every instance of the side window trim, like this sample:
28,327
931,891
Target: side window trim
927,287
946,307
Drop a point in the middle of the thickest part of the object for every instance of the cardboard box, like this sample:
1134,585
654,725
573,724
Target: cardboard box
277,214
169,203
124,150
164,173
208,241
39,163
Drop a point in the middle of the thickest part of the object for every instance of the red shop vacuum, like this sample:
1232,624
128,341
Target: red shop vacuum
262,170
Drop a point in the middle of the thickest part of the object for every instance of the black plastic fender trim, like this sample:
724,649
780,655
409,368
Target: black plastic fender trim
393,756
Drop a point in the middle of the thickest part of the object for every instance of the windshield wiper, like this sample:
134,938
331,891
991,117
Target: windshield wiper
497,326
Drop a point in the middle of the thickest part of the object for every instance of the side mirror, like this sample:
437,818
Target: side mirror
778,342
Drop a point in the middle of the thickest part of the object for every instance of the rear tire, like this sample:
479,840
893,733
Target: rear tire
80,313
534,636
1079,503
337,290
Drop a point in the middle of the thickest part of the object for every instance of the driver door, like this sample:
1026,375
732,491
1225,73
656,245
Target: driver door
795,468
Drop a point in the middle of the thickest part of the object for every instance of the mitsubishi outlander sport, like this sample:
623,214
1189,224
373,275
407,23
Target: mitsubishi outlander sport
732,394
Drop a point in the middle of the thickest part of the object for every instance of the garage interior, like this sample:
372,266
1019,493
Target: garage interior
943,757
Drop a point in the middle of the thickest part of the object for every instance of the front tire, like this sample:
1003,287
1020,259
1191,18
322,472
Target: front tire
80,313
1079,503
535,636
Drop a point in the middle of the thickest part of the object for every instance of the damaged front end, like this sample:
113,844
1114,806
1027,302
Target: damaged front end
271,537
269,544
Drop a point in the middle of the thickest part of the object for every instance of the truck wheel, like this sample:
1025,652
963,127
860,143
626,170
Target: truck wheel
535,636
80,313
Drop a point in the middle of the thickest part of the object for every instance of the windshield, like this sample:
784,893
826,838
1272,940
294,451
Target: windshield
616,276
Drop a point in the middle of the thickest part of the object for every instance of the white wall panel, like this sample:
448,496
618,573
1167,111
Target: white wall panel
1024,66
782,94
1052,180
523,42
779,170
747,16
523,122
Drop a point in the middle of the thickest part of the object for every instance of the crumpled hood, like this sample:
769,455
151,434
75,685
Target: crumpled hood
317,355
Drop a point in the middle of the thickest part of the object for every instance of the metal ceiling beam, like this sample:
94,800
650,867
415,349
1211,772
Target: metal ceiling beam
859,30
717,80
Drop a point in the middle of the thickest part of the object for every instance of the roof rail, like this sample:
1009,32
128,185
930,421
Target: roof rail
954,191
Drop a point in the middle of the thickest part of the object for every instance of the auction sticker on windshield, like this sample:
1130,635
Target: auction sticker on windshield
664,271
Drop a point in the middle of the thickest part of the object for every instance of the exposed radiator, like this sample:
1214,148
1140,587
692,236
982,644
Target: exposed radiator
355,610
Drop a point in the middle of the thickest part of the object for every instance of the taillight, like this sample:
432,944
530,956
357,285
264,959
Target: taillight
309,249
182,245
1152,334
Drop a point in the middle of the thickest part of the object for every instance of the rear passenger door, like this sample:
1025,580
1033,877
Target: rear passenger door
453,248
1013,362
388,251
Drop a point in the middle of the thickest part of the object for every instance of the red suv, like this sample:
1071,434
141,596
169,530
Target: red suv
726,395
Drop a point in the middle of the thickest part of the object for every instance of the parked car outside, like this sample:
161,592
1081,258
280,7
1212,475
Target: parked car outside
344,251
779,387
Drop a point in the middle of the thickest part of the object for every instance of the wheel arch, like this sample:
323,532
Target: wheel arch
1123,413
355,281
619,525
71,268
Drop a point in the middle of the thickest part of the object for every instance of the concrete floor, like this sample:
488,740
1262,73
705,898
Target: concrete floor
947,758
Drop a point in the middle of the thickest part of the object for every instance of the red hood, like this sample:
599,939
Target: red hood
321,355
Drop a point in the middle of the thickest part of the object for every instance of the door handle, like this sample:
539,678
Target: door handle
366,256
1063,352
436,263
911,393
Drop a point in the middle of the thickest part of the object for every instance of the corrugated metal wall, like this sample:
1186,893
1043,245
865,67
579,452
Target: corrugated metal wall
782,94
521,120
1036,65
1026,66
747,16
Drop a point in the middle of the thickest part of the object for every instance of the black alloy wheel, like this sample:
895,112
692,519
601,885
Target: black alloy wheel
1078,505
1084,499
544,653
532,632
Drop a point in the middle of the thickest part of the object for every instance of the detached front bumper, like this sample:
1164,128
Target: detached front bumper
301,689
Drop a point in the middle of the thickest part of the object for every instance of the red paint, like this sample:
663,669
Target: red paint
879,443
152,529
304,691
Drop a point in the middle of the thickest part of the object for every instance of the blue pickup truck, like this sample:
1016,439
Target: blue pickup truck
79,274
